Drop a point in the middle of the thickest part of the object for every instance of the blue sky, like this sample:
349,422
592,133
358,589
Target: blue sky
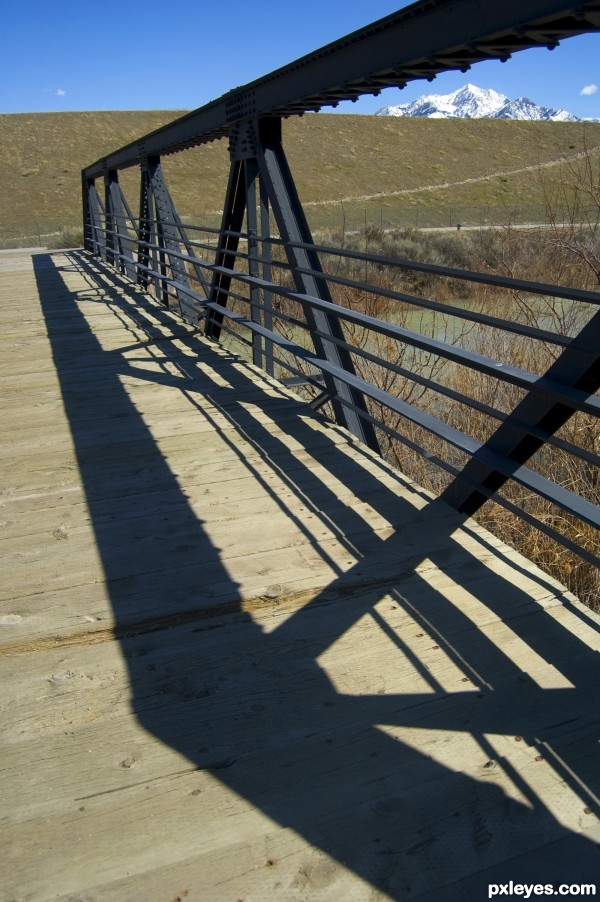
179,54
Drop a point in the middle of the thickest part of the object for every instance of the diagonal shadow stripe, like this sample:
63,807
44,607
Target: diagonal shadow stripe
360,775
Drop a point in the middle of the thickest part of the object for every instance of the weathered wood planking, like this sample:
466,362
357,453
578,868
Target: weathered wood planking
240,657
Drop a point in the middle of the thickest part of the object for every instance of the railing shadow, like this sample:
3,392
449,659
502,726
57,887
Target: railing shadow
368,778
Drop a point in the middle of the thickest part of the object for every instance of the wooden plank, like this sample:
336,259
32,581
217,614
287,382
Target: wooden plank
240,705
241,657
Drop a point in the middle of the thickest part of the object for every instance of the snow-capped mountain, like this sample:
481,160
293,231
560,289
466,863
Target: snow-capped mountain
471,102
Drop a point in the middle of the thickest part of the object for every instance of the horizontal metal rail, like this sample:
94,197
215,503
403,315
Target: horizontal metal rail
494,425
572,397
309,369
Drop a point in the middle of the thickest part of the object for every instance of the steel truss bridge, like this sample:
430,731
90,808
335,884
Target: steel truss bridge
224,279
242,655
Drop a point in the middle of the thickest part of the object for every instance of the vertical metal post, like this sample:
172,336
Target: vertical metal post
121,244
242,199
85,206
231,226
145,225
109,221
94,208
158,238
251,175
265,228
294,229
169,233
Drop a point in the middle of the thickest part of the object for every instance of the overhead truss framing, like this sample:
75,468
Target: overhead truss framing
418,42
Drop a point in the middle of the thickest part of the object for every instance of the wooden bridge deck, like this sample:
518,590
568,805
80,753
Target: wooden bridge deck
241,659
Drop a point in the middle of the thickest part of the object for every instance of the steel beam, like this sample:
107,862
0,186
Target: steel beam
109,223
94,212
417,42
170,234
123,244
252,178
514,439
257,154
144,226
323,325
92,224
231,225
265,228
118,243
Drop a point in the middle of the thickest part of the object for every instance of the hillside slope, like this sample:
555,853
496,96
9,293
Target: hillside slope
43,154
367,167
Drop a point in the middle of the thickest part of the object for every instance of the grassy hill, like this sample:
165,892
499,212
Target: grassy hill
43,154
350,169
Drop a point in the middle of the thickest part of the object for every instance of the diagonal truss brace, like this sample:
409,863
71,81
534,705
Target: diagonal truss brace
577,368
257,154
159,220
242,200
147,232
92,219
118,242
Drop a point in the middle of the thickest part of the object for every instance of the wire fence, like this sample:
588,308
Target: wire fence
344,218
350,218
49,234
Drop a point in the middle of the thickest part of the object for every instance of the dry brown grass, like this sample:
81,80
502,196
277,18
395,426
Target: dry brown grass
534,255
446,166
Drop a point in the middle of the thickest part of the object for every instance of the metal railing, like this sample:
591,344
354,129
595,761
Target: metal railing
502,406
261,309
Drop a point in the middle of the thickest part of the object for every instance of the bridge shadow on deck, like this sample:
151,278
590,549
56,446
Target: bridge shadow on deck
367,778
